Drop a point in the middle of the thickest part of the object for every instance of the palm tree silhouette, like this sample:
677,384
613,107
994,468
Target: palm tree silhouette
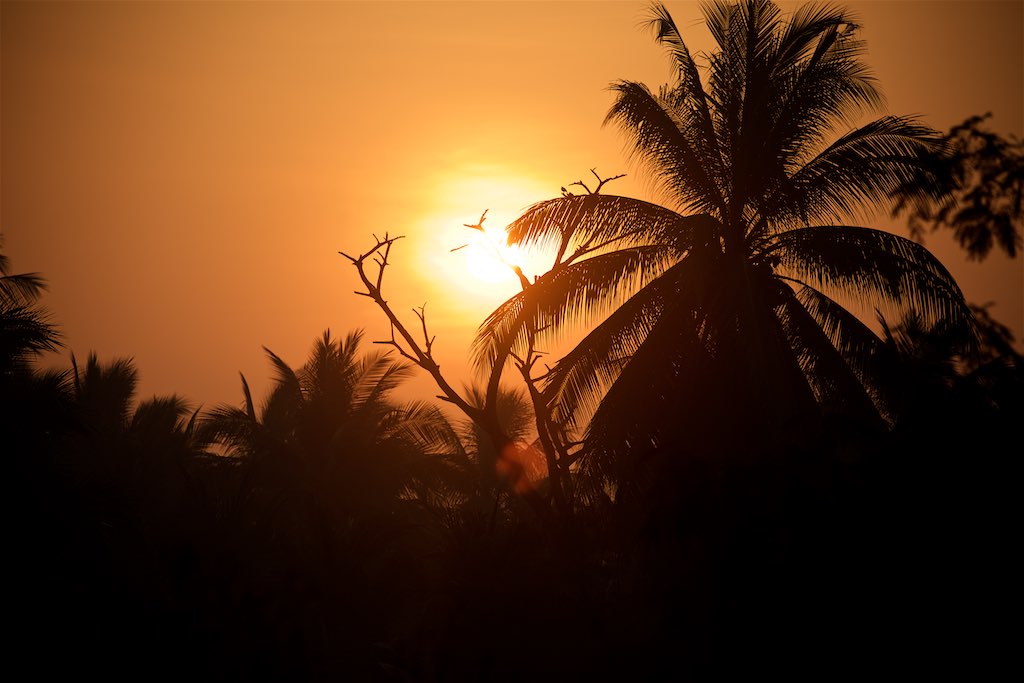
30,400
119,444
25,331
335,422
724,314
333,480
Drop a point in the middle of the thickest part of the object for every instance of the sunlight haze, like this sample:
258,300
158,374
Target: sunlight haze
184,174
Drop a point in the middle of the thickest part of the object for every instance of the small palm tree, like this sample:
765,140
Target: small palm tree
146,443
334,421
332,496
724,318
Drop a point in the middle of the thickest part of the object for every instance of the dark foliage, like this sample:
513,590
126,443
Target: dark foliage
979,195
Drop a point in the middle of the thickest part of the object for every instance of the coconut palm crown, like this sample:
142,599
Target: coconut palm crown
731,298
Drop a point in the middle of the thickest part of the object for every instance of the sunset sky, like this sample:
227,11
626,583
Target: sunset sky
184,174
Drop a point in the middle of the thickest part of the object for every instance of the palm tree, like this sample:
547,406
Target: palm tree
113,445
335,422
24,328
724,318
31,402
329,513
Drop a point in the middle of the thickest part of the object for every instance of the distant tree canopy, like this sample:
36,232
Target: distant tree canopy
978,191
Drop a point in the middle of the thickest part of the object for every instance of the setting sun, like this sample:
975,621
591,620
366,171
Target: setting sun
471,265
488,258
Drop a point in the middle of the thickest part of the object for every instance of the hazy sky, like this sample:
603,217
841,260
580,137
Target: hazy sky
184,174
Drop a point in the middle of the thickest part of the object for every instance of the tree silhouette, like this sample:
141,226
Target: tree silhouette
29,399
484,408
979,194
335,420
725,312
328,508
25,330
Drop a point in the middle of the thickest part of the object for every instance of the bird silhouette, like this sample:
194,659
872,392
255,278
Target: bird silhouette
479,224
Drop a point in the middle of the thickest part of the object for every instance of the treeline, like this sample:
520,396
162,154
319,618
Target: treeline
334,532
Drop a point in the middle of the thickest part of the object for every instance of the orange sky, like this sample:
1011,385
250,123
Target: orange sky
184,174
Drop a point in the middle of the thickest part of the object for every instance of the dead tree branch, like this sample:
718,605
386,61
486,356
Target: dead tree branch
419,353
600,183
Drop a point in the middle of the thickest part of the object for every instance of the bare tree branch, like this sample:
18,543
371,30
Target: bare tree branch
600,183
421,355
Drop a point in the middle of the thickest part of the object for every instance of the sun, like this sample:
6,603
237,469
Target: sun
487,257
473,267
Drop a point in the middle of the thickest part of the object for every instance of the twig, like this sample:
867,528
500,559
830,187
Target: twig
600,183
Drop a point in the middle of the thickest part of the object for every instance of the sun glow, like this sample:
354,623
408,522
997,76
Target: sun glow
470,262
488,257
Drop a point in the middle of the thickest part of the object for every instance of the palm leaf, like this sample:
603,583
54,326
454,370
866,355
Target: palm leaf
570,294
580,378
857,172
21,289
17,290
249,405
284,400
688,97
872,264
861,349
593,221
853,340
378,375
837,386
231,426
25,331
667,143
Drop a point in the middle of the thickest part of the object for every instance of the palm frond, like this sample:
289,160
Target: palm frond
571,294
231,426
160,416
857,172
862,350
658,389
808,98
22,289
688,97
426,426
515,413
25,331
590,221
249,405
580,378
819,57
837,386
284,400
378,375
668,145
854,340
104,392
872,264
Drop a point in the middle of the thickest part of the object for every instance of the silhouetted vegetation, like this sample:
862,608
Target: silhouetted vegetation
979,193
731,474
